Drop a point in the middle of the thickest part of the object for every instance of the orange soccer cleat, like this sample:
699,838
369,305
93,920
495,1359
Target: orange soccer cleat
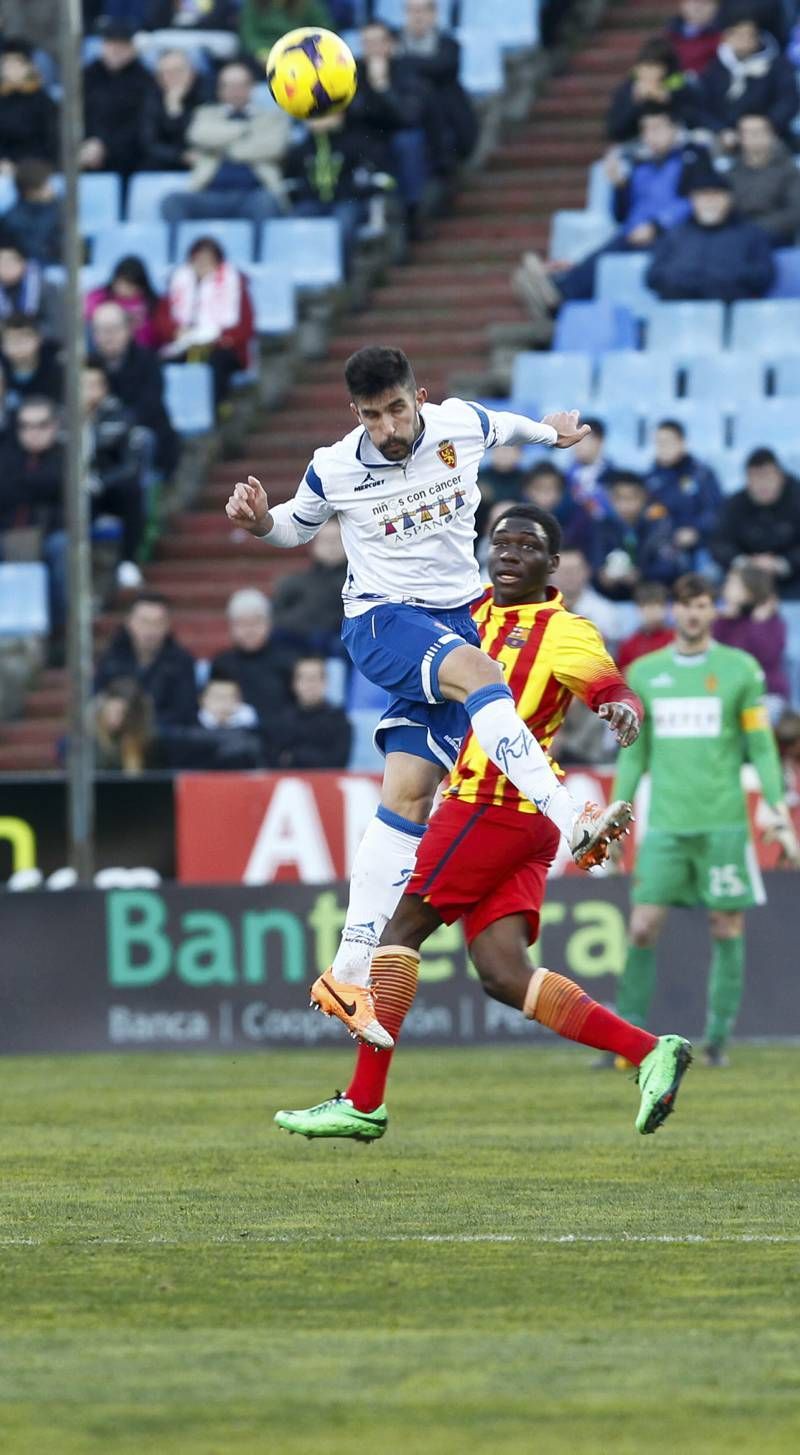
595,829
354,1006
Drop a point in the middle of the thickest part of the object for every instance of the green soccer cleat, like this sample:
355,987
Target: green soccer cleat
335,1118
660,1075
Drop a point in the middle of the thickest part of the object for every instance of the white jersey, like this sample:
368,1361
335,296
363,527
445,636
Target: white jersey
407,526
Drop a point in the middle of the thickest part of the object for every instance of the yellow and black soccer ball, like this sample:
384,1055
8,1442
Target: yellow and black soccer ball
311,72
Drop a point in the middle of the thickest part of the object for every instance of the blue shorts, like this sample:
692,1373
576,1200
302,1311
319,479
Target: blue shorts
401,648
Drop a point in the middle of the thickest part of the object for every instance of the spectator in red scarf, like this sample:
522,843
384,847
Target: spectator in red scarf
209,313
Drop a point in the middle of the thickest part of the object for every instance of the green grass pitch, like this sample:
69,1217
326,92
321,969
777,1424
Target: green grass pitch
179,1276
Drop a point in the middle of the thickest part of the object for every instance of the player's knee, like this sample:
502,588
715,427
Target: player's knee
726,925
643,930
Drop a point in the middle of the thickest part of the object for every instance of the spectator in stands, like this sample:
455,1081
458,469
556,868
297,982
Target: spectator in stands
145,649
310,733
28,115
714,254
123,728
689,493
750,619
113,468
263,22
308,604
168,110
765,181
648,203
327,178
116,87
656,79
225,736
386,117
748,75
633,542
30,364
450,121
653,631
32,489
760,525
545,486
590,471
574,580
130,287
261,666
237,150
135,376
188,15
34,222
695,34
210,312
22,285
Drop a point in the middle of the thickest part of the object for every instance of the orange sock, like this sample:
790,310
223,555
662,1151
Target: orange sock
560,1004
393,975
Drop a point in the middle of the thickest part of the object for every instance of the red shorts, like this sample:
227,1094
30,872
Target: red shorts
478,864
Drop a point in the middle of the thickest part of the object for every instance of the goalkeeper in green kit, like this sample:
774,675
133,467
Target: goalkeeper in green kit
704,718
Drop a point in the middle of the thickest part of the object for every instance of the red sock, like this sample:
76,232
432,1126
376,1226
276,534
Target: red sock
393,975
560,1004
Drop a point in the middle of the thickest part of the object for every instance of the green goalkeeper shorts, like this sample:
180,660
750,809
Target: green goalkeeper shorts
718,870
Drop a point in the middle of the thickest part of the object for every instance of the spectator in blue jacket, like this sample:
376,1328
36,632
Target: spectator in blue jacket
748,74
715,254
689,492
634,542
589,471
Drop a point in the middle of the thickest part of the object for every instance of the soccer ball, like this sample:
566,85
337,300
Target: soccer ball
311,72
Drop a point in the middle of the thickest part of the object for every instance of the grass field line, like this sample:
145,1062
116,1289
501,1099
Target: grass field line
298,1239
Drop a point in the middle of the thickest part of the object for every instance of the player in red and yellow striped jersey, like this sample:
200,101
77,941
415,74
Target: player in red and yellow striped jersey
485,855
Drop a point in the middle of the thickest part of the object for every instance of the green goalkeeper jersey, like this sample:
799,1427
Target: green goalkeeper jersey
704,718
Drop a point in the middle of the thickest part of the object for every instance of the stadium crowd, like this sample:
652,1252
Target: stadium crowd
702,183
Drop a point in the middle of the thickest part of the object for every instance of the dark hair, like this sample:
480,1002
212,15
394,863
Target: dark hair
375,369
741,12
534,513
627,477
132,270
691,585
596,426
201,243
759,457
673,424
21,320
656,108
32,172
658,51
218,674
757,583
543,467
149,598
651,591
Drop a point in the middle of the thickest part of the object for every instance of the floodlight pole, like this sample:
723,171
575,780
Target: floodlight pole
80,756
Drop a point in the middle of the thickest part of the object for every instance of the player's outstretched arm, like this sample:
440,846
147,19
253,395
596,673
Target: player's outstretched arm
568,430
248,507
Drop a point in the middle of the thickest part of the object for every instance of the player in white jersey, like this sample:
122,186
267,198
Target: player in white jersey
404,488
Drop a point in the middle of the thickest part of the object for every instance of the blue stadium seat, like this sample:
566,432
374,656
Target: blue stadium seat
728,378
786,375
23,599
627,376
8,194
308,249
573,235
274,302
99,200
393,12
147,191
515,23
481,69
765,326
623,431
787,273
235,236
703,421
539,379
146,240
364,756
626,456
599,192
599,328
728,466
771,422
189,397
686,328
620,279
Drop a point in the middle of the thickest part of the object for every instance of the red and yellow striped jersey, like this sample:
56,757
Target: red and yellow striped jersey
548,656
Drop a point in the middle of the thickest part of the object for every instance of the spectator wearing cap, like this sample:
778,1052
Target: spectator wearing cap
694,33
760,525
115,88
714,254
434,57
208,310
657,79
30,364
309,733
145,649
689,493
34,222
653,631
308,604
261,665
748,75
237,149
168,111
262,22
28,115
765,181
136,378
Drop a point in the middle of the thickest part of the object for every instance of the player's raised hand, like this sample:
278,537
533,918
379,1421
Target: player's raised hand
623,721
248,506
569,431
781,831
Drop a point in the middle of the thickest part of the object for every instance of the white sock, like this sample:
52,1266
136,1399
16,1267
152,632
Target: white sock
505,739
382,867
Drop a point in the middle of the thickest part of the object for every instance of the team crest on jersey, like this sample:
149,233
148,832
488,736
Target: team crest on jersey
518,637
447,454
